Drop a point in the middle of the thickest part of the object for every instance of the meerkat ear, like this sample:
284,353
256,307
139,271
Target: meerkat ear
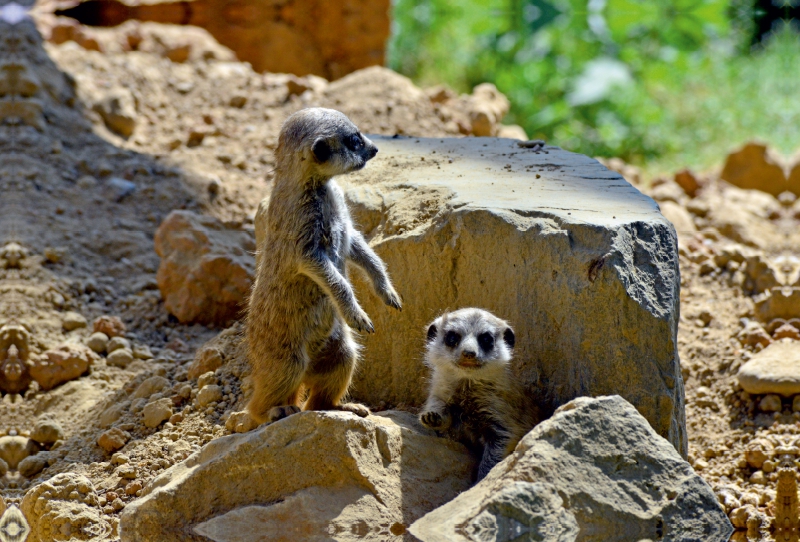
432,331
322,151
508,337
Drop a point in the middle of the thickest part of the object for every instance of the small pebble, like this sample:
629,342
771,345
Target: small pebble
120,357
115,343
206,379
211,393
770,403
72,320
98,342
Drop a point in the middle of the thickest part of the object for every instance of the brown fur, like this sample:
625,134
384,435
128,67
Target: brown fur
302,305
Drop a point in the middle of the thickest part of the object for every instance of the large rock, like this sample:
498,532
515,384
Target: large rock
753,166
580,263
776,369
307,477
596,469
206,269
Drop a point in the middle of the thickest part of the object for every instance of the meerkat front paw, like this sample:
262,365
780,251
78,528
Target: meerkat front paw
281,412
392,298
361,322
438,421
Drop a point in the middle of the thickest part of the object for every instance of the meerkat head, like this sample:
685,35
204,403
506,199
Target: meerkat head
469,341
325,142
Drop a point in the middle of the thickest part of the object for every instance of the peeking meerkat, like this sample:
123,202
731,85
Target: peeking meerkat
302,305
474,397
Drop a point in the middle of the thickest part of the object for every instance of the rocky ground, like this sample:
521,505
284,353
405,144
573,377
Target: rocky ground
112,371
739,285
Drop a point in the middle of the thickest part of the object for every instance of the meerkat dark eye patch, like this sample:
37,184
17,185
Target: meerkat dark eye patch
451,339
322,151
354,142
432,331
486,341
508,337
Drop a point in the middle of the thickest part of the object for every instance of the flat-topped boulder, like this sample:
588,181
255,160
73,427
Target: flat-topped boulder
776,369
582,264
313,476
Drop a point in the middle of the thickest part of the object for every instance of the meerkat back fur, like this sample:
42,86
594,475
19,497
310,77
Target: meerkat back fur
474,397
302,305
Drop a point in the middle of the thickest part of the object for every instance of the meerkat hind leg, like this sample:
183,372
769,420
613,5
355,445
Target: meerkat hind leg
275,398
330,372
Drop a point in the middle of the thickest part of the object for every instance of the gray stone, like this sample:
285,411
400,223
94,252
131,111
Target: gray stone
596,468
533,511
583,266
776,369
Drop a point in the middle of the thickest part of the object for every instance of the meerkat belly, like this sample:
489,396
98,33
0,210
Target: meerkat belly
473,408
333,237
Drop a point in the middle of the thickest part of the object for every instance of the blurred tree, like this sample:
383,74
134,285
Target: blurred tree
603,77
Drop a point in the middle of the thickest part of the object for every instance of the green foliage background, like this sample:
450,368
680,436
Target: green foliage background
688,86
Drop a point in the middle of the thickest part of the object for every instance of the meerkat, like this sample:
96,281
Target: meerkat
302,305
473,395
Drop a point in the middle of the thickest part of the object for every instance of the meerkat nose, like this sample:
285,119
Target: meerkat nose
469,354
373,151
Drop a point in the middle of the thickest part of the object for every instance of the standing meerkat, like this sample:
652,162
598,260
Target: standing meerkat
302,305
474,397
